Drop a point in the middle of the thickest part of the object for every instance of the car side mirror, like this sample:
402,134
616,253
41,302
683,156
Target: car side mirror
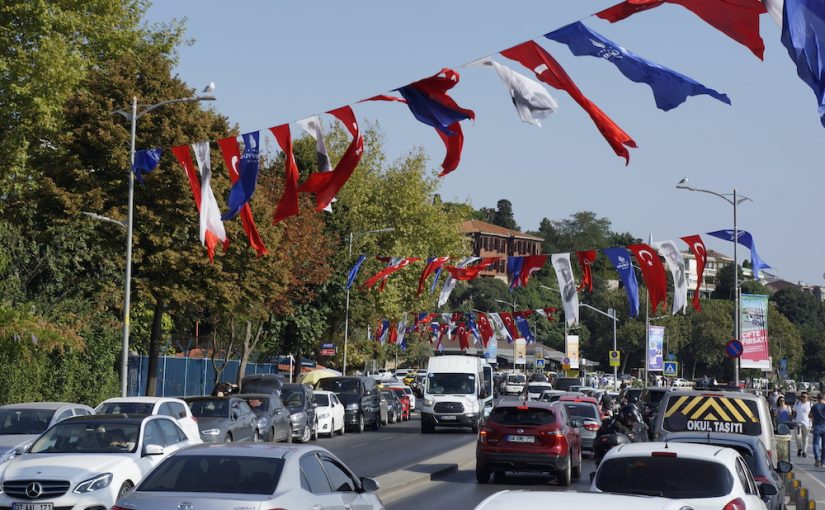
784,466
152,449
20,450
767,490
369,485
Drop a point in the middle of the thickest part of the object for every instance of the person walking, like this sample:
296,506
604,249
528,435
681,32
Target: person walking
782,411
818,420
802,411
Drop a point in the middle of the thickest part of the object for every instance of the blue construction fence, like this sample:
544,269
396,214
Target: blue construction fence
186,377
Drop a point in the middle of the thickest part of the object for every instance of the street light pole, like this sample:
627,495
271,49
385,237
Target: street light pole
133,115
737,199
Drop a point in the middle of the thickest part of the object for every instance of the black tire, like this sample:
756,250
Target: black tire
498,477
332,429
306,435
427,428
576,471
563,477
482,475
475,427
272,435
377,423
126,487
360,427
228,438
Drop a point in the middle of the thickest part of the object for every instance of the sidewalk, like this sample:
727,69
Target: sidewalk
811,477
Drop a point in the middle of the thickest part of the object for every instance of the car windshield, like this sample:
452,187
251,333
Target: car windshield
339,386
124,408
388,394
451,384
516,378
24,421
293,397
213,473
88,437
587,411
516,416
217,408
669,477
322,399
261,385
537,388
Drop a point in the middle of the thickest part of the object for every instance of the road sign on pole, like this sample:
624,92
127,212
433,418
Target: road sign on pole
671,369
539,363
734,349
615,358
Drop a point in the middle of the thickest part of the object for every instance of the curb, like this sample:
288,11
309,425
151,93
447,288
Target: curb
400,483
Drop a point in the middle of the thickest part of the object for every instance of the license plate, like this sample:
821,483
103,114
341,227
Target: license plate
32,506
521,439
448,418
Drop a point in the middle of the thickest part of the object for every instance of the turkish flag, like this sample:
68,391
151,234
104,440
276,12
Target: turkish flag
586,259
485,328
288,205
463,336
433,264
509,323
387,271
697,247
653,272
530,265
472,272
548,70
231,156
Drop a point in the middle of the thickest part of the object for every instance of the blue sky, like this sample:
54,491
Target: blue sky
274,62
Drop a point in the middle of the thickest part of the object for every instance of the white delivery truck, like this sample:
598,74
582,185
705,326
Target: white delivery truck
456,392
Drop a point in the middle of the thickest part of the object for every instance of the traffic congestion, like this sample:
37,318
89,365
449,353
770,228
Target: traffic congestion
662,447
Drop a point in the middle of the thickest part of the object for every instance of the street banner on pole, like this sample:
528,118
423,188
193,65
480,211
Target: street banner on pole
571,349
754,331
520,351
655,348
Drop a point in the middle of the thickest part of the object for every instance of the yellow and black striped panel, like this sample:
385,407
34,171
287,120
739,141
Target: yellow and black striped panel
712,413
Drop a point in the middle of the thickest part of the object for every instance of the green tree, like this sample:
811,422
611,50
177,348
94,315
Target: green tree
724,282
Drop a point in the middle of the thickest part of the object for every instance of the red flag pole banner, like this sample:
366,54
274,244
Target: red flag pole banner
326,185
184,157
697,247
433,263
472,272
231,155
547,69
288,205
529,265
586,260
738,19
387,271
653,271
509,323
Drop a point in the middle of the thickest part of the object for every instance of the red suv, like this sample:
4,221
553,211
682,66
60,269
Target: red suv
529,436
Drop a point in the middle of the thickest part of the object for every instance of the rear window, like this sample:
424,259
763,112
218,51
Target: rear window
711,413
516,416
669,477
516,378
322,399
578,410
213,473
564,383
125,408
537,388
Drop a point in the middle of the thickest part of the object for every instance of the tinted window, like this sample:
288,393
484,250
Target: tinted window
79,411
588,411
516,416
664,476
152,434
322,400
256,385
212,473
340,386
655,396
65,414
537,388
171,433
516,379
218,408
178,409
166,410
338,478
564,383
313,477
293,397
124,408
92,437
258,404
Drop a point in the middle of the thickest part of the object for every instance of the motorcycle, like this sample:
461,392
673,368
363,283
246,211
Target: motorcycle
604,443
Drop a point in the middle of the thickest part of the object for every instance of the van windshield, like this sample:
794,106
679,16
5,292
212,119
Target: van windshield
455,384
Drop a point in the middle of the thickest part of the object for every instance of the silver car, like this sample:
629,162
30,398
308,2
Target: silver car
226,477
21,424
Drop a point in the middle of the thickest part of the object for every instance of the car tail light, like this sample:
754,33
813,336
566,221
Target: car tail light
663,454
736,504
591,426
551,433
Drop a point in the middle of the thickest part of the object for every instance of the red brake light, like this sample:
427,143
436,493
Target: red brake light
736,504
523,408
663,454
554,432
591,426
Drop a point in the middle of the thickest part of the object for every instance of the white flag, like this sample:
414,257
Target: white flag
210,214
449,285
312,127
676,264
499,327
567,287
531,99
775,8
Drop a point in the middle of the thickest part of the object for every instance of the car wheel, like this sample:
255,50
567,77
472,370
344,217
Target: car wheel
427,428
482,475
576,471
126,487
474,428
377,424
360,427
498,477
228,438
563,476
315,432
306,435
257,438
272,434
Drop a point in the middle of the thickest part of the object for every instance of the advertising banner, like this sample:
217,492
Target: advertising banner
655,348
571,350
520,351
753,328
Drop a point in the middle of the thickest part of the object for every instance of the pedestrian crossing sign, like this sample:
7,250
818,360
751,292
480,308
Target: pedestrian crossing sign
615,358
671,369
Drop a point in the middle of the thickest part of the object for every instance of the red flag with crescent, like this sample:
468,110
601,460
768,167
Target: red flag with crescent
697,247
432,265
387,271
509,323
288,205
485,328
653,271
471,272
586,259
231,156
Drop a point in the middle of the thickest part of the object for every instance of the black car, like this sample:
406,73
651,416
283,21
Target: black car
224,419
565,383
300,401
262,383
273,417
394,408
362,404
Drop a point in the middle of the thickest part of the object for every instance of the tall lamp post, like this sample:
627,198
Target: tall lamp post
610,314
733,199
136,112
346,317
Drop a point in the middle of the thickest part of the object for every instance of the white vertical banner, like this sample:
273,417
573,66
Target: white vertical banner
567,287
520,351
571,350
676,264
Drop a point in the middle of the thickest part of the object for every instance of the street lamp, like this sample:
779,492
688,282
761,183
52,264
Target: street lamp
513,304
610,314
133,116
733,199
346,317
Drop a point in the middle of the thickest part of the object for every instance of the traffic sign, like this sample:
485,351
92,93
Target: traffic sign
734,349
615,358
671,369
328,350
565,361
539,363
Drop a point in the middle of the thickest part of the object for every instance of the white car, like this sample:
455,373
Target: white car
535,389
705,477
175,408
330,413
88,462
507,500
21,424
680,382
513,384
232,477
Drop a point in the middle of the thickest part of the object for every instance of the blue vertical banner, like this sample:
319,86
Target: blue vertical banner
655,348
620,258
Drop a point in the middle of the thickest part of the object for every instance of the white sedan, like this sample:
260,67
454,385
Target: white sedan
175,408
507,500
252,475
330,413
88,462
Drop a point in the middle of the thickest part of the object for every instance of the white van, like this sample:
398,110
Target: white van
456,392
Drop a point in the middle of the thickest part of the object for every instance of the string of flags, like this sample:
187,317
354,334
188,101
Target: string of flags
648,259
428,99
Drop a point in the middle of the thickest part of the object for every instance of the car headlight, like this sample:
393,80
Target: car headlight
296,416
211,432
263,422
428,402
93,484
323,416
352,407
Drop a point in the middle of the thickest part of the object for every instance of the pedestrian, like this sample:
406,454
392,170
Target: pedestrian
783,411
802,411
818,420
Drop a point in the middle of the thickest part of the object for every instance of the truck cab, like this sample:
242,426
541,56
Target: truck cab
455,392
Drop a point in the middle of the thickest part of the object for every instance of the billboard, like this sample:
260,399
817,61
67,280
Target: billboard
571,350
655,348
753,331
520,351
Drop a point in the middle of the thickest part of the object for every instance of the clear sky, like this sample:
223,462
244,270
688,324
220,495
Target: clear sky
275,62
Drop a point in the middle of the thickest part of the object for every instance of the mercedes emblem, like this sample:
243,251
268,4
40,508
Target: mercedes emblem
34,490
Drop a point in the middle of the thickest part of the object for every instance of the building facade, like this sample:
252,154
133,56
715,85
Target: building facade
490,240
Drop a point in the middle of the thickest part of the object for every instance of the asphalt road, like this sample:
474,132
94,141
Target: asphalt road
393,447
460,490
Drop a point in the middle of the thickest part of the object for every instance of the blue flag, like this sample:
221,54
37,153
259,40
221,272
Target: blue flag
514,266
670,89
473,327
430,112
354,271
620,258
435,279
241,192
146,160
524,328
745,239
803,34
